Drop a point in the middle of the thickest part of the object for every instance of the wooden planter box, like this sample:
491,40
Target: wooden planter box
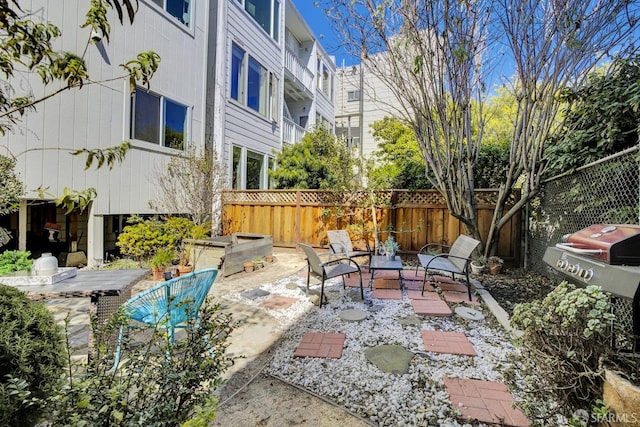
228,253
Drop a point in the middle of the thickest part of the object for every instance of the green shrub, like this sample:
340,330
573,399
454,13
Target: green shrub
144,237
31,357
156,383
566,340
15,261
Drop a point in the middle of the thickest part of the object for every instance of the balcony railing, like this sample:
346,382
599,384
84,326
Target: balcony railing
291,132
298,69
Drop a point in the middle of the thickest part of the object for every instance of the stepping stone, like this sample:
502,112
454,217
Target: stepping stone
292,285
392,359
433,296
447,342
431,308
255,293
410,321
417,286
386,283
278,302
469,313
386,294
375,308
484,402
318,344
452,287
353,315
456,297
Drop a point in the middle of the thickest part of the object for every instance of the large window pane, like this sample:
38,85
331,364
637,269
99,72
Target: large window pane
261,12
146,116
254,175
257,87
276,20
237,75
236,168
175,124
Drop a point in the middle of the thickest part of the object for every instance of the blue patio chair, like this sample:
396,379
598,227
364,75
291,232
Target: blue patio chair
171,304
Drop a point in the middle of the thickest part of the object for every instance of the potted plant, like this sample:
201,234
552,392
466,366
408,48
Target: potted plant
258,263
248,266
495,264
186,232
478,264
390,248
160,260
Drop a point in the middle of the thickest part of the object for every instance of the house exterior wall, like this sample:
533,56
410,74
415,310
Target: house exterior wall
98,115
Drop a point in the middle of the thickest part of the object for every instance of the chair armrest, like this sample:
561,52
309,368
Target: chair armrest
338,260
429,245
337,248
467,260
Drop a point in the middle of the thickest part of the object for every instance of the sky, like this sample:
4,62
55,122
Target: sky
319,24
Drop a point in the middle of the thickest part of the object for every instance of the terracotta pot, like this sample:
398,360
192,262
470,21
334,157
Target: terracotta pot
495,269
269,258
158,273
184,269
248,266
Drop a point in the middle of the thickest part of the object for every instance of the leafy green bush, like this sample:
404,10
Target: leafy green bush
157,383
566,339
15,261
144,237
31,357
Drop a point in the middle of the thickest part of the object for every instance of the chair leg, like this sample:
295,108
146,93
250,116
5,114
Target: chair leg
468,284
361,288
308,277
322,290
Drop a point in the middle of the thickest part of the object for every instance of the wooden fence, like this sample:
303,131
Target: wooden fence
414,217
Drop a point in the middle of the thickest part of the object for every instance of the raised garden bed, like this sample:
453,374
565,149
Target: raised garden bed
228,253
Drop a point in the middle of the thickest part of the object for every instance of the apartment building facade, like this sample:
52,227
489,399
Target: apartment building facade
224,81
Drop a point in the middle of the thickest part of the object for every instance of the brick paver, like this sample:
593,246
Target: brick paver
434,296
417,285
447,342
386,294
431,308
320,344
386,283
353,280
484,401
278,302
456,297
452,287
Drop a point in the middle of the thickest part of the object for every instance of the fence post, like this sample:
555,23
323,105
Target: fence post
298,209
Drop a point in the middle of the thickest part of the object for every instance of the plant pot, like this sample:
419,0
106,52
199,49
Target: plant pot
248,266
476,268
184,269
158,273
495,269
269,258
391,257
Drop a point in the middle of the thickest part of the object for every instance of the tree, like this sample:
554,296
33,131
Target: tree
435,57
12,188
191,184
398,162
28,44
601,117
318,161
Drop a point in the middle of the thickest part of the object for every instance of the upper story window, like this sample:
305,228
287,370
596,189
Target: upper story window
353,95
253,85
325,79
180,9
159,120
266,13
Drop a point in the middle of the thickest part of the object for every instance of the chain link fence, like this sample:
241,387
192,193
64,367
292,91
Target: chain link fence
603,192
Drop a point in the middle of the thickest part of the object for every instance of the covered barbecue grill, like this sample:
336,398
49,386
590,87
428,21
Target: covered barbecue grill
608,256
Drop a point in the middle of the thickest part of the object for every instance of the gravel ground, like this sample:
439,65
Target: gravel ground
417,398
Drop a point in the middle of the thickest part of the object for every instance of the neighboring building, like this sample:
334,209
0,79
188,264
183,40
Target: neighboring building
243,76
271,83
361,99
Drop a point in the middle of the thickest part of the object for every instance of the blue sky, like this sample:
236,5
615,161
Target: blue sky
318,22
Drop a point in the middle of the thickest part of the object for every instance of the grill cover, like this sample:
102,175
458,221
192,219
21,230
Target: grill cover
614,244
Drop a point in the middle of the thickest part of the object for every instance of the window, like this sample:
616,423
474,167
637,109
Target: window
253,85
254,177
257,87
266,13
237,73
236,168
353,95
179,9
159,120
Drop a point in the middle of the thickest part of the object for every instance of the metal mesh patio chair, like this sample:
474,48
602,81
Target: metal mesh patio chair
455,260
340,242
171,304
337,265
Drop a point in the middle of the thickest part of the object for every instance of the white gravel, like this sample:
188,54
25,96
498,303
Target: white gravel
417,398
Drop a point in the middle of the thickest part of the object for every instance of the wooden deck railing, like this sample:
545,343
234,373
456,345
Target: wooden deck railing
414,217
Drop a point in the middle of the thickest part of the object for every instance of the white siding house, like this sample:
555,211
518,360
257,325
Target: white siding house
100,115
241,76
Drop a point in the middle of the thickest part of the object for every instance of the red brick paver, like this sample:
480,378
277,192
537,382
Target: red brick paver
386,294
434,296
484,401
447,342
431,308
452,287
319,344
386,283
417,285
278,302
353,280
